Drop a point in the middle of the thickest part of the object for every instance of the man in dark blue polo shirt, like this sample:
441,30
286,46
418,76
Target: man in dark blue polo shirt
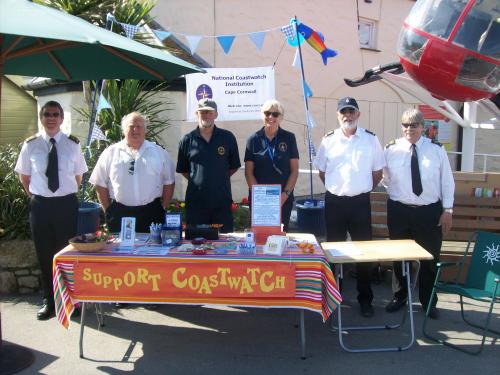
208,157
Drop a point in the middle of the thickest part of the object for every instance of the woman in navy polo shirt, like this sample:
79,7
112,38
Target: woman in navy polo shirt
271,157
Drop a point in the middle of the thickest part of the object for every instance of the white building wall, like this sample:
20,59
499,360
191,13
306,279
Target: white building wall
381,106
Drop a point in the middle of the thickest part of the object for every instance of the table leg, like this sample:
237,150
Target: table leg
82,325
342,329
302,335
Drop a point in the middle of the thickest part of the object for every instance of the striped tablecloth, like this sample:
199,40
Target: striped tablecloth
315,286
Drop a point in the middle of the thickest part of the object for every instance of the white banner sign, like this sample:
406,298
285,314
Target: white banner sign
238,92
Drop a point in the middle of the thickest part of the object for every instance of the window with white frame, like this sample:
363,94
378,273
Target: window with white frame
367,30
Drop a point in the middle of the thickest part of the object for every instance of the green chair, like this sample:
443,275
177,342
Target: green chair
481,282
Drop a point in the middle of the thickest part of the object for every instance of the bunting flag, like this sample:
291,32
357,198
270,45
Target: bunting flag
258,38
193,41
311,144
97,134
296,59
289,32
226,41
103,104
307,91
310,120
110,17
161,34
129,29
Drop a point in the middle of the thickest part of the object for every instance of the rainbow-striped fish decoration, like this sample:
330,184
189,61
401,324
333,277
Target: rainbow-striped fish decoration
316,41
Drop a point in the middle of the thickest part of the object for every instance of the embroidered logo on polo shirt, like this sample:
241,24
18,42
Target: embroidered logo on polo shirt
282,146
221,150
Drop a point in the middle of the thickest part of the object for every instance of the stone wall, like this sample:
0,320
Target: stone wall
19,271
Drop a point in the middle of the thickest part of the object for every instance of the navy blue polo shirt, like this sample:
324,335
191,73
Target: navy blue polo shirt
271,158
208,165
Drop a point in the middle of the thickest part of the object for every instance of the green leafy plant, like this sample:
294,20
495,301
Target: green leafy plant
241,215
14,208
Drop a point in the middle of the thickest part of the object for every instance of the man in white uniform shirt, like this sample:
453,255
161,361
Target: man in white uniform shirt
350,162
50,167
134,177
420,204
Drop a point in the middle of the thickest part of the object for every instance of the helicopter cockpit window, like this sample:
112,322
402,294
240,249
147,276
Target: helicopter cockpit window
437,17
480,30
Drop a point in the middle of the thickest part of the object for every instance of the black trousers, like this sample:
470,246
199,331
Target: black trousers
53,222
219,215
144,215
286,210
351,214
420,224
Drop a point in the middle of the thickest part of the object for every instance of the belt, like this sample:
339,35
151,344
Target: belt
140,206
415,205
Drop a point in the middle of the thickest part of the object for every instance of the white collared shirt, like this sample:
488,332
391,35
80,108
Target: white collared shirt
435,173
348,162
33,160
138,185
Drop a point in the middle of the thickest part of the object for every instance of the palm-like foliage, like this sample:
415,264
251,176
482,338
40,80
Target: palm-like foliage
93,11
14,207
129,96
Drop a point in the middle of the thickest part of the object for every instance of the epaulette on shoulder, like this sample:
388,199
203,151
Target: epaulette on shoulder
391,143
369,132
329,134
74,139
32,138
158,144
436,143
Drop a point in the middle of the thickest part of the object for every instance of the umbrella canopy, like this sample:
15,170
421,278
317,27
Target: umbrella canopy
37,40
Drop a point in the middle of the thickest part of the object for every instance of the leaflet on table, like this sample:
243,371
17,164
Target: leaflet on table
347,249
266,205
127,233
142,250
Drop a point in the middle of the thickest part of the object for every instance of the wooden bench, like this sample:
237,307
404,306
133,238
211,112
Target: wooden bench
469,214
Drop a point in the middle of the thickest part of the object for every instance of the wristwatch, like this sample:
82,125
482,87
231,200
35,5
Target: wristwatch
448,210
287,192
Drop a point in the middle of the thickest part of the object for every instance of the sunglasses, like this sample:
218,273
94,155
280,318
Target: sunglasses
413,125
132,167
51,114
347,110
274,114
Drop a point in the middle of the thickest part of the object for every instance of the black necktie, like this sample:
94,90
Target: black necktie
52,171
416,182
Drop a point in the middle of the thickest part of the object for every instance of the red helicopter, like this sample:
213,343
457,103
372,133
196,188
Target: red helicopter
449,47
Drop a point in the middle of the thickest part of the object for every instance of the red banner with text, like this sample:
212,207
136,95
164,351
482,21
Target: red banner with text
185,280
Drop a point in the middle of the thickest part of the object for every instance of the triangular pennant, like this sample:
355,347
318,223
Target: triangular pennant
110,17
311,144
97,134
310,120
226,41
296,59
307,91
162,35
103,104
289,32
258,38
193,41
129,29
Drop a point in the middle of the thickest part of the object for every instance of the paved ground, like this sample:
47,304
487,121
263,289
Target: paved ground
223,340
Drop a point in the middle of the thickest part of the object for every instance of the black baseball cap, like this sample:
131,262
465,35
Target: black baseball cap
347,102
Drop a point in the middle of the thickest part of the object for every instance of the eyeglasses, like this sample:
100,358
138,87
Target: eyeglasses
347,110
131,169
51,114
274,114
413,125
